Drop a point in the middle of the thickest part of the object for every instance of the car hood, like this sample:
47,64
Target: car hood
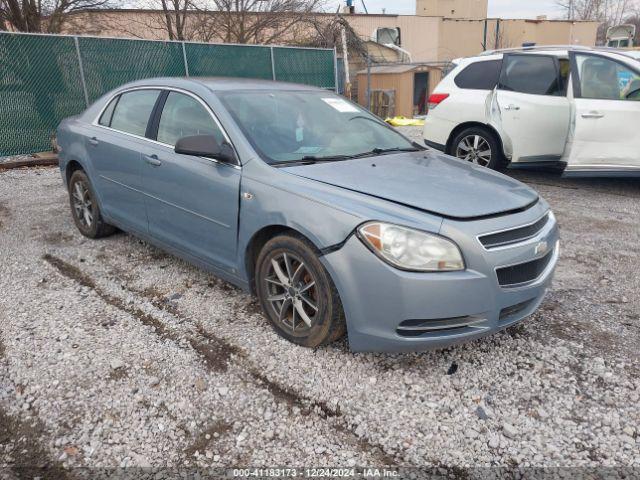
429,181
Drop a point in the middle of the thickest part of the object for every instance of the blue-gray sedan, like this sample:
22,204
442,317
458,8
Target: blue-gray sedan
336,222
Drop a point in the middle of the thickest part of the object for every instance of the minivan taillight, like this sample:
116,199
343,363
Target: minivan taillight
436,99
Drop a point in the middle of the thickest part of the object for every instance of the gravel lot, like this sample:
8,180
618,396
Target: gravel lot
115,354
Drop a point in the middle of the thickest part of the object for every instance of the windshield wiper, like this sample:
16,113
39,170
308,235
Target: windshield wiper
311,160
381,151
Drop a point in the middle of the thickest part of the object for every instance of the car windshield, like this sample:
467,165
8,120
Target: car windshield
294,126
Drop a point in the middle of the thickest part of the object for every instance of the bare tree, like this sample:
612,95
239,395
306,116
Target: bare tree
43,15
635,20
232,21
326,32
262,21
607,12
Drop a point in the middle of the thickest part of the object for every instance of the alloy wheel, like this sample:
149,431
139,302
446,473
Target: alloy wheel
83,204
292,293
474,149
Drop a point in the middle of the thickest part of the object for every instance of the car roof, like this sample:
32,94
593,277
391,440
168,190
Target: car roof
217,84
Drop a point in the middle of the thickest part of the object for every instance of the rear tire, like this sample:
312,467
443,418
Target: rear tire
85,209
479,146
297,293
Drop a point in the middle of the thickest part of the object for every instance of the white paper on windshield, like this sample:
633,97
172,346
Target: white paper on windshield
340,105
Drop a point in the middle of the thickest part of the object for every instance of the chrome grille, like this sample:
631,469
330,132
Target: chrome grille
516,235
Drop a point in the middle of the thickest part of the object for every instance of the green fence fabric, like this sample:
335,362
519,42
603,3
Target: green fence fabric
40,84
109,63
308,66
243,61
45,78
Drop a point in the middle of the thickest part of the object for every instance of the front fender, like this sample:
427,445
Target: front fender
326,215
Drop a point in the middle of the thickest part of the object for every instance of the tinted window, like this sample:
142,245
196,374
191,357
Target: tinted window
605,79
480,75
565,70
132,112
532,74
184,116
105,118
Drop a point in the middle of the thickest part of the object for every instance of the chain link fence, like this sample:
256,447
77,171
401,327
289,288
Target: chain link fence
45,78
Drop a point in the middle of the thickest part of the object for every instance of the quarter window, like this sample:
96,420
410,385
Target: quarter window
132,112
605,79
105,118
480,75
184,116
532,74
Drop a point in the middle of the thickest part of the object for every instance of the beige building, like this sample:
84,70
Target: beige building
452,8
433,39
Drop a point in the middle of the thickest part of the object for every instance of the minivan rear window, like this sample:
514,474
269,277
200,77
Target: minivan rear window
480,75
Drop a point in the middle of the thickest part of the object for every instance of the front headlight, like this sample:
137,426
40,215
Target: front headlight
410,249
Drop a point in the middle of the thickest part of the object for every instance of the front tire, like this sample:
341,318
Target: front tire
478,146
84,207
297,294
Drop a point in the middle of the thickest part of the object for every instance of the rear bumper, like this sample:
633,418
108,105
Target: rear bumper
388,309
437,131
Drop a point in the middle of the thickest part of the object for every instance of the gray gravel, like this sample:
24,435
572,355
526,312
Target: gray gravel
113,353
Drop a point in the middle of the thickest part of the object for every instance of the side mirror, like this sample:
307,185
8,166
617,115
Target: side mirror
206,146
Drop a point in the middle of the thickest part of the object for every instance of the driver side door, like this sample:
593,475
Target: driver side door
606,107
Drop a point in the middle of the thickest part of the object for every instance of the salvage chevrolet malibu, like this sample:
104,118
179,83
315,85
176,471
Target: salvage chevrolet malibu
336,222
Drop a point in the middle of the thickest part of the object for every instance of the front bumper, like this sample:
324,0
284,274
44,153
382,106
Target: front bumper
385,307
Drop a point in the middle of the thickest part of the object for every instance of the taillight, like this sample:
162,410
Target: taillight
436,99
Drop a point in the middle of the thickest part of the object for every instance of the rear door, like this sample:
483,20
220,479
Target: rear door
607,114
114,146
192,202
531,109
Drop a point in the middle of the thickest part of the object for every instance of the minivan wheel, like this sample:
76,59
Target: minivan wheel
84,207
478,146
297,294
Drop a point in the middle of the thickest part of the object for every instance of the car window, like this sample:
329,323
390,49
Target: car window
480,75
532,74
132,112
605,79
184,116
105,118
289,126
565,71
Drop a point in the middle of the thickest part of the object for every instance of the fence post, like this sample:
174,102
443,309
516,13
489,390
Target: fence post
184,57
335,69
273,65
82,79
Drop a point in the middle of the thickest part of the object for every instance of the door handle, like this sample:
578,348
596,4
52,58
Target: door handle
94,141
512,107
593,115
152,160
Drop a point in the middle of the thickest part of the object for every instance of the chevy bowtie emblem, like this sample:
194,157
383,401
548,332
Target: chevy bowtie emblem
542,248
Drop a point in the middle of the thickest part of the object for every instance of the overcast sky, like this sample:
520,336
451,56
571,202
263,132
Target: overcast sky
497,8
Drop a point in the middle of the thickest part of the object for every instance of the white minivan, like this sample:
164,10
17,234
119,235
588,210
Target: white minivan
577,109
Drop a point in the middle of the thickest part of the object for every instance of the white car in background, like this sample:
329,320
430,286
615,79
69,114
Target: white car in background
577,109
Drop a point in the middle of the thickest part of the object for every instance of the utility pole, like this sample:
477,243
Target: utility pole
345,60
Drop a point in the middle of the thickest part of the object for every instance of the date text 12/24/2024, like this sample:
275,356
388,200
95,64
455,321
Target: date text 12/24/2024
315,473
